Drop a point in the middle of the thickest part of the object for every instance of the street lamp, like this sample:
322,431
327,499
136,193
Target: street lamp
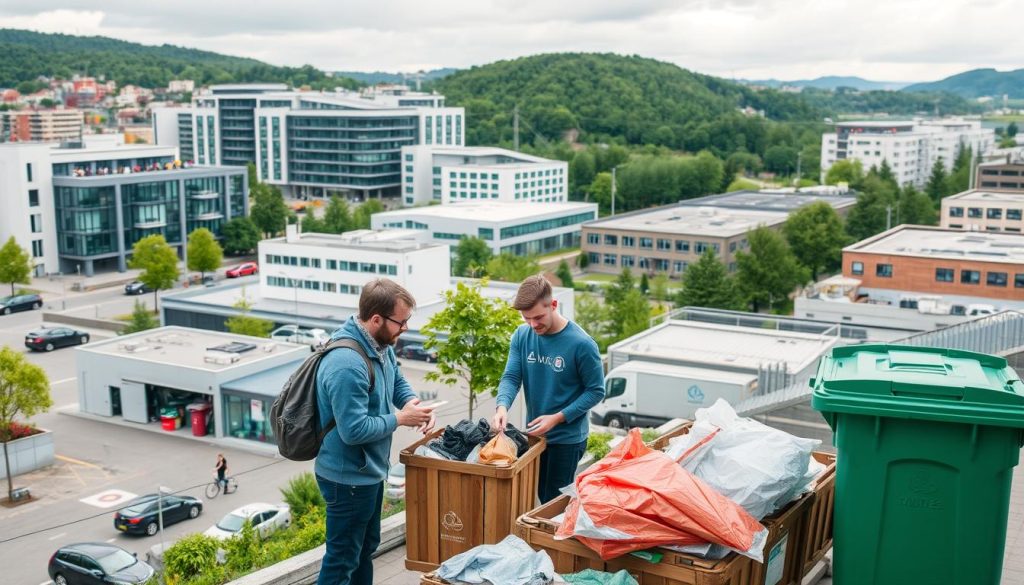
613,188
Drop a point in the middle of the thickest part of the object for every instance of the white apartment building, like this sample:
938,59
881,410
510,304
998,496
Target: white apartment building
331,269
983,211
911,148
452,174
521,228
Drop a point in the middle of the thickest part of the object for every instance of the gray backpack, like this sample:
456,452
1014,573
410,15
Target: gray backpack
295,414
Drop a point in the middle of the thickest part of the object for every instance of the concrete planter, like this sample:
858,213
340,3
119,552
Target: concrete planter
28,454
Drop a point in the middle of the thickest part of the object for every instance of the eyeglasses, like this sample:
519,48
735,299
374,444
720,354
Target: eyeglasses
401,324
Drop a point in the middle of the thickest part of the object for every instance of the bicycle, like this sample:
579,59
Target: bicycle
214,488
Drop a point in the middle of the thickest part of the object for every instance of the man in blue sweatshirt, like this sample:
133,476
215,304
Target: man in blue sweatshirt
559,367
354,458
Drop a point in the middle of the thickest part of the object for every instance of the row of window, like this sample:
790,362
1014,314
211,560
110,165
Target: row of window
544,173
343,265
545,224
992,278
644,263
989,228
331,287
664,244
989,212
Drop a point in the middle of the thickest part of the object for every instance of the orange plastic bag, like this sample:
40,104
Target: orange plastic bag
501,450
636,498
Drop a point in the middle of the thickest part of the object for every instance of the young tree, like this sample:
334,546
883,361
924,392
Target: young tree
142,319
361,217
564,274
1011,129
659,287
158,262
311,224
845,171
241,236
471,257
600,192
885,173
24,391
915,207
622,285
583,260
768,272
246,324
595,318
937,185
815,234
706,283
645,285
471,335
871,213
15,264
337,216
630,315
511,268
269,212
204,252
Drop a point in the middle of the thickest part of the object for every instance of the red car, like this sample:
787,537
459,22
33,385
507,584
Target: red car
245,269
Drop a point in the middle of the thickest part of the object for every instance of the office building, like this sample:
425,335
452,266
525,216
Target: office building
982,210
39,125
522,229
311,144
911,148
451,174
1001,175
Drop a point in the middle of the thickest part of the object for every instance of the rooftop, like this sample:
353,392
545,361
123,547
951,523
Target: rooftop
387,240
726,345
195,349
775,200
490,211
979,196
692,220
930,242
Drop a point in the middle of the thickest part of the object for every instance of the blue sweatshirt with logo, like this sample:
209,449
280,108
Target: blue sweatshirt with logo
358,450
559,373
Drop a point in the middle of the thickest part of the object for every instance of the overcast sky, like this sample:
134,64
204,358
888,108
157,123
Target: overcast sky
894,40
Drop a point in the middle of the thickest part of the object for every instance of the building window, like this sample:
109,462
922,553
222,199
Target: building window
332,265
699,247
33,197
973,212
943,275
609,259
611,240
995,279
645,263
629,262
593,239
994,213
1018,280
682,245
593,257
956,212
646,243
1013,214
28,171
37,248
628,241
36,221
857,268
883,270
664,245
970,277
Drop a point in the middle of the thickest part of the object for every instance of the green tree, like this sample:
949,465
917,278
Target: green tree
1011,129
241,236
142,319
845,171
564,274
246,324
659,287
915,207
583,261
645,285
936,188
204,252
600,192
815,234
471,257
24,391
630,315
311,224
302,493
361,217
471,335
885,173
768,272
706,283
158,263
254,180
512,268
337,216
871,213
15,264
960,175
269,212
595,318
622,285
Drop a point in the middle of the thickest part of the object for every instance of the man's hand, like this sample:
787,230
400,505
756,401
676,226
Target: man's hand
540,426
499,419
414,415
429,425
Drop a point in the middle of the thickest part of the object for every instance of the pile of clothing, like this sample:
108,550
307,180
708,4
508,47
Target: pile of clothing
704,495
477,443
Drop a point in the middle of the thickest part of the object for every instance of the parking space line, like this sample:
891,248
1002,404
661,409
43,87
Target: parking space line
46,583
67,459
56,536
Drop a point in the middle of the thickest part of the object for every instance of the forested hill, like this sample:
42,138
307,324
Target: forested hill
28,55
606,96
978,83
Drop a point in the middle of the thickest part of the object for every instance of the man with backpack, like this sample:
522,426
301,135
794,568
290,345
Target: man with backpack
367,407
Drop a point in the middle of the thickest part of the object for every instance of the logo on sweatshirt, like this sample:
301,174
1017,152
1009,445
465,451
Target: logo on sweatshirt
556,363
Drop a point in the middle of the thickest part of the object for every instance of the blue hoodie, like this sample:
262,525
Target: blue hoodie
358,450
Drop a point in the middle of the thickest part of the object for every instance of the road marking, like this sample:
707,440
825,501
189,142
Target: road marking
56,536
67,459
46,583
63,381
111,539
108,499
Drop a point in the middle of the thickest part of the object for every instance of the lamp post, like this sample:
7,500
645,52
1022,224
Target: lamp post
615,168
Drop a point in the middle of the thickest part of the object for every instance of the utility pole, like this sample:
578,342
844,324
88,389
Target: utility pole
613,189
799,159
888,217
515,128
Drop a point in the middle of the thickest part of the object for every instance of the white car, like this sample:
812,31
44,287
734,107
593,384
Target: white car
265,518
296,334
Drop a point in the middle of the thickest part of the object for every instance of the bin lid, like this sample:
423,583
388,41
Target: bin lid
919,382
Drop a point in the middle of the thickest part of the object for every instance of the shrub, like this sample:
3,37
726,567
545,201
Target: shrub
193,555
302,493
243,551
649,435
597,444
17,430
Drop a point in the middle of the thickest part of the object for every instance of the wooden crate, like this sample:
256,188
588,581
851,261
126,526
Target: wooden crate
452,506
817,534
432,579
782,559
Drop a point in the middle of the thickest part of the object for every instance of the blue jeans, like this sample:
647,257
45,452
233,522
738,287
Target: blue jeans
353,532
558,469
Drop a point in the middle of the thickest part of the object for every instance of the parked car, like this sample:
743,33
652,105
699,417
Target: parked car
54,337
14,303
136,287
395,487
87,563
296,334
244,269
418,352
265,518
143,515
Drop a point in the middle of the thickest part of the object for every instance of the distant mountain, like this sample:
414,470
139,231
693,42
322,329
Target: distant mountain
833,82
375,77
978,83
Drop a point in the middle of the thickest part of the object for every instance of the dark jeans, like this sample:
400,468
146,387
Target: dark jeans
353,532
558,469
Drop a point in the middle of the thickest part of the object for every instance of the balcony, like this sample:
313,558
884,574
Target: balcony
150,224
203,195
209,216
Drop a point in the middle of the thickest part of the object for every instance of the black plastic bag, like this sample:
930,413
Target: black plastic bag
458,441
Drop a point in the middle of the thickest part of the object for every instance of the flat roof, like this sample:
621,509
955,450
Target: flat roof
491,211
266,383
929,242
767,200
687,371
981,196
194,349
386,240
149,176
726,345
877,123
683,220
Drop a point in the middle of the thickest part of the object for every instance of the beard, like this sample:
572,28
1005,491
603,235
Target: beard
384,338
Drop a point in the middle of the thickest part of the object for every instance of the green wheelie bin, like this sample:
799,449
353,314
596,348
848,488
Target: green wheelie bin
926,441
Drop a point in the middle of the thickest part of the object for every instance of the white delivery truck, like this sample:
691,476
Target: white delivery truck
640,393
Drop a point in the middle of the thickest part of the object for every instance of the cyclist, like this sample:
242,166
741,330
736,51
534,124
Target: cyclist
222,470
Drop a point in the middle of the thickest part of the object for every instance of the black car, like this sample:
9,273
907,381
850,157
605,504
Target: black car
142,515
14,303
87,563
54,337
136,288
418,352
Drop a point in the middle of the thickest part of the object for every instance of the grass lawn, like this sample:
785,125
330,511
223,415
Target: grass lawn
127,317
597,277
557,254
